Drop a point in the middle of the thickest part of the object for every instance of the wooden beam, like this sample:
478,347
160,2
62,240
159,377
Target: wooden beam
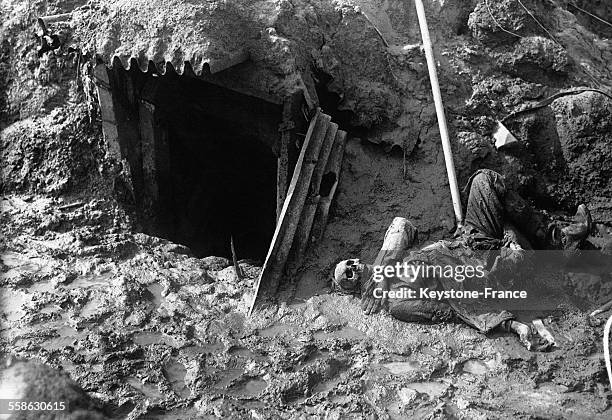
107,111
150,199
282,168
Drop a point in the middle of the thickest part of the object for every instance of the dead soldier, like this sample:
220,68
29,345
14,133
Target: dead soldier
482,243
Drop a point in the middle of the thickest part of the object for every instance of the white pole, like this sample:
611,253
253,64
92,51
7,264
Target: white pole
435,87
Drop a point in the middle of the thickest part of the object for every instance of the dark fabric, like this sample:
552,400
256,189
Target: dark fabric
481,243
490,204
423,311
485,208
483,315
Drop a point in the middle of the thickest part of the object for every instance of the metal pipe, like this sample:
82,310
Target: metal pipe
435,87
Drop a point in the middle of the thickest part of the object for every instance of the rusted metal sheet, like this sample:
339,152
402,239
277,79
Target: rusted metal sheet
299,213
300,242
273,267
332,170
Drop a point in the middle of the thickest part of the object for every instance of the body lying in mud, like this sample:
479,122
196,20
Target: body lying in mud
479,276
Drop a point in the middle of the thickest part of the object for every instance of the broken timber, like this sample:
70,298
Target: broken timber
300,210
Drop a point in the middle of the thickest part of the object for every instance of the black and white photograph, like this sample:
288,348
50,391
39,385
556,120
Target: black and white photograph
305,209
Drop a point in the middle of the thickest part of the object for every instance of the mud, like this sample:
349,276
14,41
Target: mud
149,331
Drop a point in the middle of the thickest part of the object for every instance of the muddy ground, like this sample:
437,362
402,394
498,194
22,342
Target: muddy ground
149,331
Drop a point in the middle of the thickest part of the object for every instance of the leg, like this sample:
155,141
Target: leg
423,311
489,202
400,236
485,209
527,219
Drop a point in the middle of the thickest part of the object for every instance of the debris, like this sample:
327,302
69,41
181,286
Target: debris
48,42
543,332
71,205
503,136
601,309
239,273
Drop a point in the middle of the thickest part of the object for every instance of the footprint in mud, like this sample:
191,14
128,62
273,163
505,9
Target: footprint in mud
148,390
275,330
246,354
16,265
251,387
347,333
432,389
402,368
227,378
155,291
478,367
175,373
11,304
205,348
67,337
91,281
149,338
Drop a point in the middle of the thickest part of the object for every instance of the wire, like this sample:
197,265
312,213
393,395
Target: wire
382,38
538,22
591,14
497,22
551,99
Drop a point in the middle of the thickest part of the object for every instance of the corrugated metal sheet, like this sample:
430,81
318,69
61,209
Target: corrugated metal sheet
211,66
190,36
304,209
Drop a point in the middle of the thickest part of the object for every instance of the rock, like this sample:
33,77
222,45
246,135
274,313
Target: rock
37,382
533,55
215,263
176,249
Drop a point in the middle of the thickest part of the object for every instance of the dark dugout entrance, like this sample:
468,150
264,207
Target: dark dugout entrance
222,179
207,162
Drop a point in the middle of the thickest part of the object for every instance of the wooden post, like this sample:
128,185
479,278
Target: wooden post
107,111
148,140
282,169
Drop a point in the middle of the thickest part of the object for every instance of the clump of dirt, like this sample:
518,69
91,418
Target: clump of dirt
60,152
50,390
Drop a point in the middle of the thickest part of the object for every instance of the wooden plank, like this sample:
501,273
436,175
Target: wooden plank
282,167
146,116
300,242
334,164
292,208
107,111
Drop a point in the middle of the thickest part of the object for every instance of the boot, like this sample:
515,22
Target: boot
574,234
570,236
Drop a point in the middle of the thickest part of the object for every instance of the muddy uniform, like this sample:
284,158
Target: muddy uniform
480,244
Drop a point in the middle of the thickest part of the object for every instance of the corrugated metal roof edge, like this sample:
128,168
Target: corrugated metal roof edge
185,67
